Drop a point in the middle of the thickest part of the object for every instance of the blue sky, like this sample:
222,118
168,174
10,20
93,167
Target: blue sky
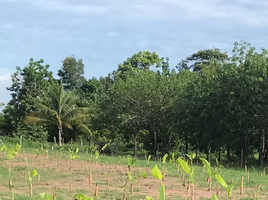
105,32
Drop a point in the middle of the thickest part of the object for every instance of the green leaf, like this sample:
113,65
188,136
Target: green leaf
157,173
149,198
207,165
221,181
165,158
34,173
45,196
3,148
102,149
214,197
130,177
76,151
161,192
79,196
184,165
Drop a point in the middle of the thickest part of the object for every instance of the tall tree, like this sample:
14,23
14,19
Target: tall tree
29,85
61,110
72,73
202,58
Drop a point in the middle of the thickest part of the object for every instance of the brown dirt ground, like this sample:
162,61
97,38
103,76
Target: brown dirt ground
78,179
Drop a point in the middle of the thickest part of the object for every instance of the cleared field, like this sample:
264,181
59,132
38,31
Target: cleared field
63,176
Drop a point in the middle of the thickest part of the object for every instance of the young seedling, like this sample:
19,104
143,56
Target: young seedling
161,189
189,171
45,196
131,179
172,159
209,171
72,156
97,153
148,159
82,197
130,162
191,157
30,176
214,197
4,149
228,188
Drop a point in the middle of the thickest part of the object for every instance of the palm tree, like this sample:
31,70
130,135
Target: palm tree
61,110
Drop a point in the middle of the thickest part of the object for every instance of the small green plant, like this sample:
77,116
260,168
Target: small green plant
97,153
130,162
13,151
79,196
30,176
209,171
172,159
214,197
184,165
46,196
228,188
191,157
190,171
161,189
148,159
164,158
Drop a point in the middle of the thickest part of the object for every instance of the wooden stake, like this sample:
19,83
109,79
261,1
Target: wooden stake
210,183
188,187
108,180
242,185
131,186
258,187
38,179
248,176
192,192
31,189
54,193
246,169
96,190
124,195
90,178
70,188
218,191
10,185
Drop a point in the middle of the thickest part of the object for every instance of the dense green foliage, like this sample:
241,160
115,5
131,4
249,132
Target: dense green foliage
213,101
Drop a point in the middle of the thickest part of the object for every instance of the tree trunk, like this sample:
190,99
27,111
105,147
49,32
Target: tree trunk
60,133
135,148
262,148
219,157
245,156
228,153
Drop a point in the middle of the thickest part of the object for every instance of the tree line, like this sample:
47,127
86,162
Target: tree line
211,101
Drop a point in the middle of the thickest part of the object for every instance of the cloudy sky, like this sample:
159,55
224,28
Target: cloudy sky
105,32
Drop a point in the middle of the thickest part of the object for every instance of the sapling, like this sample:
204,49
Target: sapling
172,159
148,159
97,153
30,176
190,171
209,171
131,179
191,157
161,189
79,196
45,196
130,162
228,188
72,156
